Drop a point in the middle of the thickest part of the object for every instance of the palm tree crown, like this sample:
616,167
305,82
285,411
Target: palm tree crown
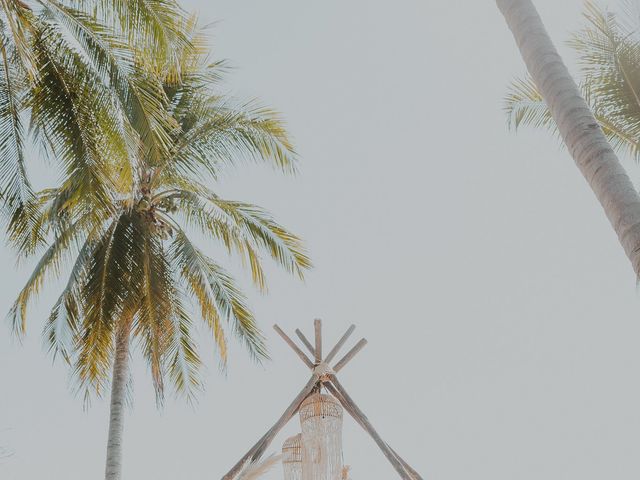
134,262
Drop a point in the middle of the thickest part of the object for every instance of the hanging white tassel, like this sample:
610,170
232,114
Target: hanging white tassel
321,421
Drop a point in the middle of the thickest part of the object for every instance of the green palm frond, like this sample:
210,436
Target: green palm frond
48,212
18,25
126,69
146,111
154,323
26,229
218,297
63,325
75,116
242,227
15,188
197,213
155,24
283,246
182,360
49,265
112,60
110,54
104,296
219,136
525,106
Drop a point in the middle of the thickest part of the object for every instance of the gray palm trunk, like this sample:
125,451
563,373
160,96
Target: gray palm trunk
117,409
578,127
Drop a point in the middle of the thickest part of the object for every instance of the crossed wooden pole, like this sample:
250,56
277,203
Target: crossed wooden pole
323,375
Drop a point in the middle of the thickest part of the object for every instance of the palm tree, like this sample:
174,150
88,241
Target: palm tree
137,273
66,65
606,58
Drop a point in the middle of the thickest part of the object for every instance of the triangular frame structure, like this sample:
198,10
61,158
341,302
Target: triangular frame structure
322,375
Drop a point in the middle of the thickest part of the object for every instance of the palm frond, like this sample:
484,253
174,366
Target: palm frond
126,71
155,298
63,325
217,295
15,188
197,213
49,264
105,297
242,227
19,24
219,136
283,246
525,105
156,25
74,116
183,362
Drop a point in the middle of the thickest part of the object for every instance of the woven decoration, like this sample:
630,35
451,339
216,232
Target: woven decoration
292,458
321,421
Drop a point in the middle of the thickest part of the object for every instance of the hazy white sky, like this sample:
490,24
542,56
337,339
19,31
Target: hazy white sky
501,313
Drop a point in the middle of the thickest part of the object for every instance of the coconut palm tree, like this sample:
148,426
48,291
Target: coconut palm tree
611,85
137,272
67,64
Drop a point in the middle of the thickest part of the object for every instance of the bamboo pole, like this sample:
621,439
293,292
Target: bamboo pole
361,418
329,386
334,351
294,347
350,354
415,474
317,325
306,342
258,449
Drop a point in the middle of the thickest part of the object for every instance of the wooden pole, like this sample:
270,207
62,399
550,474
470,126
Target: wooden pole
317,325
349,405
350,354
334,351
415,474
258,449
329,386
306,342
294,347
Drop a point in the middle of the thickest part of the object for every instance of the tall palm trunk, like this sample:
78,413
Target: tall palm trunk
577,125
118,390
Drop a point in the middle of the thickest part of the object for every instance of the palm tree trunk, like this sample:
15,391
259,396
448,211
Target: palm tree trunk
577,125
118,390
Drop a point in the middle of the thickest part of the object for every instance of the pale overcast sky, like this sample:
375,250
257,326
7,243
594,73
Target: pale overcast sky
502,315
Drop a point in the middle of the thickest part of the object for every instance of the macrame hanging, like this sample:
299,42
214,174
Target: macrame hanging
292,458
321,421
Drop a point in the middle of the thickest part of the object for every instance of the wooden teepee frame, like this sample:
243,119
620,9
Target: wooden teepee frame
322,375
